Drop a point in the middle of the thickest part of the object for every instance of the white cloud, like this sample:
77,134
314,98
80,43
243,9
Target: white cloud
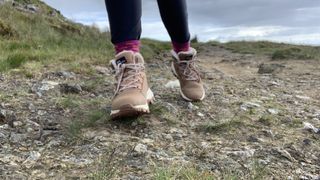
223,20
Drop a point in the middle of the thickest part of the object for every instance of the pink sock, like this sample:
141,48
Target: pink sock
178,47
132,45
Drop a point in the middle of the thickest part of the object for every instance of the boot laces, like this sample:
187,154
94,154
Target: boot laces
129,76
190,70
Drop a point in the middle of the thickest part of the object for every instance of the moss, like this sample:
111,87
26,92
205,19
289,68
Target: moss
6,30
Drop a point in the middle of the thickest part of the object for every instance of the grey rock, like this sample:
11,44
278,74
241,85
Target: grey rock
192,106
140,148
243,154
40,88
249,105
70,88
273,111
132,177
3,115
307,142
310,127
32,8
65,74
17,138
34,156
306,98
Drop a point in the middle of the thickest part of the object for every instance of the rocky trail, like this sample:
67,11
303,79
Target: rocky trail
260,120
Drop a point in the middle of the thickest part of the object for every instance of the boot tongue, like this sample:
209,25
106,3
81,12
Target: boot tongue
129,57
187,55
125,57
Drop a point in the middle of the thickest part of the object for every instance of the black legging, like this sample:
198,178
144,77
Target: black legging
125,19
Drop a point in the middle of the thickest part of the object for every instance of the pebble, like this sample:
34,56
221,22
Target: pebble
200,114
192,106
168,137
249,105
303,97
245,154
34,156
47,85
141,148
2,115
17,124
310,127
273,111
66,74
173,84
70,88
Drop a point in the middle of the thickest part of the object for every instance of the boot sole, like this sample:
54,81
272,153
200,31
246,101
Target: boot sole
181,93
133,111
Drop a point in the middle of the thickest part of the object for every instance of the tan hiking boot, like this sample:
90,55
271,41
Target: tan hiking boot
132,95
184,68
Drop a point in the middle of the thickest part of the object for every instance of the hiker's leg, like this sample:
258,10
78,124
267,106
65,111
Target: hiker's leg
175,18
125,24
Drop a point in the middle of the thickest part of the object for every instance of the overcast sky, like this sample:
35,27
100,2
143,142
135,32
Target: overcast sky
294,21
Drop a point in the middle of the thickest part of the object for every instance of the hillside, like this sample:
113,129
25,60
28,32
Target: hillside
260,120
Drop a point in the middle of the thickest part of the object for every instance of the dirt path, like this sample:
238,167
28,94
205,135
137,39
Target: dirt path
251,125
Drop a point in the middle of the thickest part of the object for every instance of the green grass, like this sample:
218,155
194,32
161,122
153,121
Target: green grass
277,51
222,126
87,119
181,172
28,37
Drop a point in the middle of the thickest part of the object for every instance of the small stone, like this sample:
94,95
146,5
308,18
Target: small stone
31,107
17,138
200,114
32,8
34,156
141,148
307,142
68,88
245,154
173,84
3,114
268,133
252,138
168,137
192,106
17,124
66,74
47,85
249,105
310,127
273,111
306,98
147,141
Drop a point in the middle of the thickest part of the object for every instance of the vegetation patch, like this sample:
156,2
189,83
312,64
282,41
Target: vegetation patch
292,53
221,127
277,51
182,172
6,30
